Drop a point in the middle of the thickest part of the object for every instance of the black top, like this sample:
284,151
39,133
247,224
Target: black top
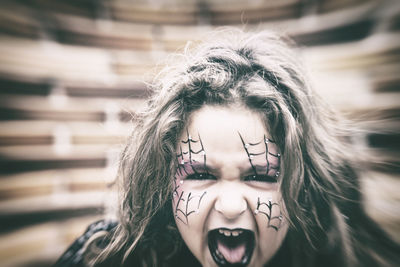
73,256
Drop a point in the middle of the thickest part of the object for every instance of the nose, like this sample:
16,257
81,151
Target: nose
230,202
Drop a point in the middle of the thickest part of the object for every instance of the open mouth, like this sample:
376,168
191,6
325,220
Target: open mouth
231,247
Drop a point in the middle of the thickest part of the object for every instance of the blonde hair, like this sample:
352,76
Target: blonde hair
320,173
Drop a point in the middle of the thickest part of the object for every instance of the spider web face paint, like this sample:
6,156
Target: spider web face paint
182,214
270,161
222,168
188,158
191,161
270,168
266,208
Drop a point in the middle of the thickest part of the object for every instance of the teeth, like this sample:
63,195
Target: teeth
230,233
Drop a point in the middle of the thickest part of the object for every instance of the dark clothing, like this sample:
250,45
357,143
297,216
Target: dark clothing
73,256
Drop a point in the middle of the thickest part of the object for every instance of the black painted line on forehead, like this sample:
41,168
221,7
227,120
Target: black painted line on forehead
277,155
266,153
189,138
251,155
180,162
256,154
245,146
190,151
267,140
254,144
204,154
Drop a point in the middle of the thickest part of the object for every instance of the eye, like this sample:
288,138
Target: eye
261,178
200,176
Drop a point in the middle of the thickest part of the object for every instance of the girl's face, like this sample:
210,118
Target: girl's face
226,200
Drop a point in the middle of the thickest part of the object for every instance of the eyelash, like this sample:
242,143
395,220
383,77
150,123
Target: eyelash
261,178
206,176
199,176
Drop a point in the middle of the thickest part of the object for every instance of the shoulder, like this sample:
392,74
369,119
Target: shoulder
73,256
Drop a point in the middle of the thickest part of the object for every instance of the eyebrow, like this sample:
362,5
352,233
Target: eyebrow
255,167
200,166
195,165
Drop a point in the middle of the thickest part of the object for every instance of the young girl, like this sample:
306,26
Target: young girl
236,162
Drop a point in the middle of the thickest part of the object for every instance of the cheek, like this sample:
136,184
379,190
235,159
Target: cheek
268,212
187,202
190,208
268,209
271,240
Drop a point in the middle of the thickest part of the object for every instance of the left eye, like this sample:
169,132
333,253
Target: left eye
260,178
201,176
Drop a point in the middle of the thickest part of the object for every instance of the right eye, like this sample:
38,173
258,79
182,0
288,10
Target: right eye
200,176
261,178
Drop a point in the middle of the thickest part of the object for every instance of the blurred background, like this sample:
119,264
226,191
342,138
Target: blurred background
73,73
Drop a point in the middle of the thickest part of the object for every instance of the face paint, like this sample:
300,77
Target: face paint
265,208
272,161
186,158
272,172
222,178
183,214
186,166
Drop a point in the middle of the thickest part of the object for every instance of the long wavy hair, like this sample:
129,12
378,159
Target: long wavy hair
320,173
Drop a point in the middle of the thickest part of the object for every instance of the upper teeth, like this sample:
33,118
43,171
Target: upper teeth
230,232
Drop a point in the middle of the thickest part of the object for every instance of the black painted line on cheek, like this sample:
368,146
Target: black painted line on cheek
186,213
270,205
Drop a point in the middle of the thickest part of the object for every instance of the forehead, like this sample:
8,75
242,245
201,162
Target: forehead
219,126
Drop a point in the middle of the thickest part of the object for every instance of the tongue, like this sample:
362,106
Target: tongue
232,255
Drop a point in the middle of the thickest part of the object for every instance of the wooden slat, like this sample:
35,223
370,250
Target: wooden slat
65,109
386,161
17,213
30,85
50,60
43,132
20,22
52,203
42,183
378,49
41,157
217,13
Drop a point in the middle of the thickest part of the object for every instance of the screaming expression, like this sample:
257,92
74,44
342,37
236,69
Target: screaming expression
228,247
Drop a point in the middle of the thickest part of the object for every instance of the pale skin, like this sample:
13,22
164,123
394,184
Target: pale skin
227,197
